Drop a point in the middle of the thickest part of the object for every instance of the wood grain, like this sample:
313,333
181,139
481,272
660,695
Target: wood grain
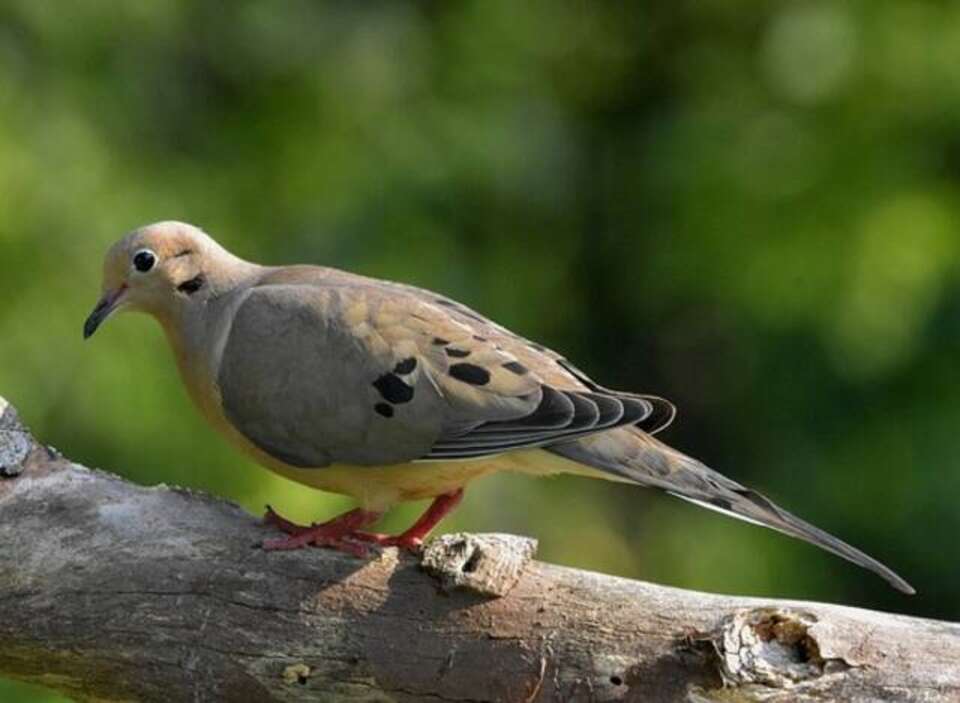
115,592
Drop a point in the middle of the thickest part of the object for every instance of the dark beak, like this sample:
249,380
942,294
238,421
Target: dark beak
107,304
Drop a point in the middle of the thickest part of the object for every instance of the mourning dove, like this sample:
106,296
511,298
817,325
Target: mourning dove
388,393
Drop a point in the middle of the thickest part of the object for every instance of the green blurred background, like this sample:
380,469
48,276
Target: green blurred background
748,207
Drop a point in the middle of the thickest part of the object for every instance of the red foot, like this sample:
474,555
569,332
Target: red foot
345,534
335,534
412,538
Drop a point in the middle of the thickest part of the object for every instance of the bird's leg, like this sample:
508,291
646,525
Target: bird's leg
337,533
413,537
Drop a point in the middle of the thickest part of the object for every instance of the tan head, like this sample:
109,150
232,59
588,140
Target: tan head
160,269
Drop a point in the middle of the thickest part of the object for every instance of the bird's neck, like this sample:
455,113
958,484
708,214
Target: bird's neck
197,331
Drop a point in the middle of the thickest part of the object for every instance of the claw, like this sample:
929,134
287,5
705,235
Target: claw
333,534
344,533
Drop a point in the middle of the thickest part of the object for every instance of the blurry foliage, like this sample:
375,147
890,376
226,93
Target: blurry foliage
750,208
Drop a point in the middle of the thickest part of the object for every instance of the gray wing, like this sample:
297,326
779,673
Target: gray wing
361,372
305,378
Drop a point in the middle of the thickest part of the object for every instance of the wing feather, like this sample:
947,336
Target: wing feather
324,367
561,416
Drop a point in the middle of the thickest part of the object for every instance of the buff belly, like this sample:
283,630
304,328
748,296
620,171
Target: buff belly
379,487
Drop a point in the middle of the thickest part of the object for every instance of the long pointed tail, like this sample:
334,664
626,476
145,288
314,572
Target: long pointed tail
634,455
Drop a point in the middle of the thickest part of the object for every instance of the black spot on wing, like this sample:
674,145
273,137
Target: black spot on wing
393,389
192,286
406,366
455,353
384,409
440,341
516,367
470,373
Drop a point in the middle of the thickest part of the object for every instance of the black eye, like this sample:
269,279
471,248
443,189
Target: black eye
144,260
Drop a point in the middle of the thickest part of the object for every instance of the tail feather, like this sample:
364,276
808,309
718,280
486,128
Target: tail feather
638,457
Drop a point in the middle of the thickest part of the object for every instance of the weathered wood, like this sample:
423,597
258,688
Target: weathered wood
111,591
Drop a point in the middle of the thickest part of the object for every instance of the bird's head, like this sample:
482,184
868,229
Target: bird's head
156,269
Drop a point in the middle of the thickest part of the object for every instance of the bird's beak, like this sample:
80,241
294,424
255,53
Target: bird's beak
108,303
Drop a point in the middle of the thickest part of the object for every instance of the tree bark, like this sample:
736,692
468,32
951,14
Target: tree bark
112,591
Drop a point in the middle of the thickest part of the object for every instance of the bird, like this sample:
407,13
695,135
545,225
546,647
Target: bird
387,392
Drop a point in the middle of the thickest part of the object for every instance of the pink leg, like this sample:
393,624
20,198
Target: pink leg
337,533
412,538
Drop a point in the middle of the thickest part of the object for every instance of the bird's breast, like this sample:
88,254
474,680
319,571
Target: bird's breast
379,487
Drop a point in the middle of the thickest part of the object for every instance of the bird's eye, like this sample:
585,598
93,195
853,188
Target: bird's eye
144,260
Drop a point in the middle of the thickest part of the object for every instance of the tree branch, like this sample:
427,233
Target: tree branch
111,591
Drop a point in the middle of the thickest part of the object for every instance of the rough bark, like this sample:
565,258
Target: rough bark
112,591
